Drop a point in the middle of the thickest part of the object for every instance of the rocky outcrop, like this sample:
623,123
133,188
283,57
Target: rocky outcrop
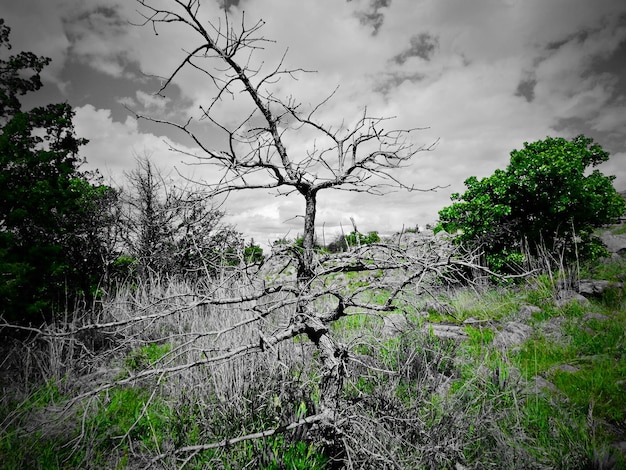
512,334
564,297
595,287
396,323
614,243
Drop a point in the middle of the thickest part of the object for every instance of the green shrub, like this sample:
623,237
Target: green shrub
545,197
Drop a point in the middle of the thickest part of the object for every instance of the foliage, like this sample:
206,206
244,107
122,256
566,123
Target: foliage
354,238
545,197
12,72
132,413
51,250
253,253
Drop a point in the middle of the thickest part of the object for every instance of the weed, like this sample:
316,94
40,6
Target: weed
128,415
297,456
611,270
560,436
620,230
596,337
379,297
493,304
147,356
479,338
356,323
541,292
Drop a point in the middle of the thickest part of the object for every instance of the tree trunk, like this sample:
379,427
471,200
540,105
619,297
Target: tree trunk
306,268
332,355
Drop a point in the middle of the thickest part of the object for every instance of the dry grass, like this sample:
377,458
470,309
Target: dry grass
165,373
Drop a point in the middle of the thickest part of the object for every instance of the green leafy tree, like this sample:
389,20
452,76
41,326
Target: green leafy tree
48,254
546,197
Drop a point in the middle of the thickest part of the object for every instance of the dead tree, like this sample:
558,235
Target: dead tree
261,313
364,157
172,228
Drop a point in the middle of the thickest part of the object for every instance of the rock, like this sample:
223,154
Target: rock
394,323
566,296
453,332
595,316
540,384
475,322
595,287
526,311
614,243
513,334
566,368
552,329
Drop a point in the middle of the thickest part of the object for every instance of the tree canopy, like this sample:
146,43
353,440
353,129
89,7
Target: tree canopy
48,240
548,197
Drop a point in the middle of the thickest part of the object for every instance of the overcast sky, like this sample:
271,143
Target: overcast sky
481,76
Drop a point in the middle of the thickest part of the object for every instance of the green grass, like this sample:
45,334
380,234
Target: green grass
597,386
34,448
358,322
559,435
493,304
129,415
147,356
612,270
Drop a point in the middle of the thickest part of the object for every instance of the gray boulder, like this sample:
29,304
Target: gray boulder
596,287
513,334
614,243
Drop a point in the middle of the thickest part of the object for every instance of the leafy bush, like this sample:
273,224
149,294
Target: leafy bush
545,198
253,253
51,214
354,238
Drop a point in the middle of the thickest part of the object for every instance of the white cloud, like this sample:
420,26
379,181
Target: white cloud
113,146
465,89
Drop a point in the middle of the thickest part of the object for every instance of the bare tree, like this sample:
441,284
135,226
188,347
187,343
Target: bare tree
364,158
298,292
173,228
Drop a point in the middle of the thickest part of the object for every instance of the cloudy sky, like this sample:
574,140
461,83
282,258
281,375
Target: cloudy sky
481,77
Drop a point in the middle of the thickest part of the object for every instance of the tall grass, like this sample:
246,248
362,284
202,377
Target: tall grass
138,383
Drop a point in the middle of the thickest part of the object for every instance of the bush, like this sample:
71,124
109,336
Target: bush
354,238
546,197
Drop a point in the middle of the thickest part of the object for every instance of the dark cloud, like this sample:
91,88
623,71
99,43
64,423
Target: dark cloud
97,37
226,4
373,17
393,80
422,45
579,37
613,66
526,88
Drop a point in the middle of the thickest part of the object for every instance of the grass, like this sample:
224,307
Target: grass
619,230
146,356
409,401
